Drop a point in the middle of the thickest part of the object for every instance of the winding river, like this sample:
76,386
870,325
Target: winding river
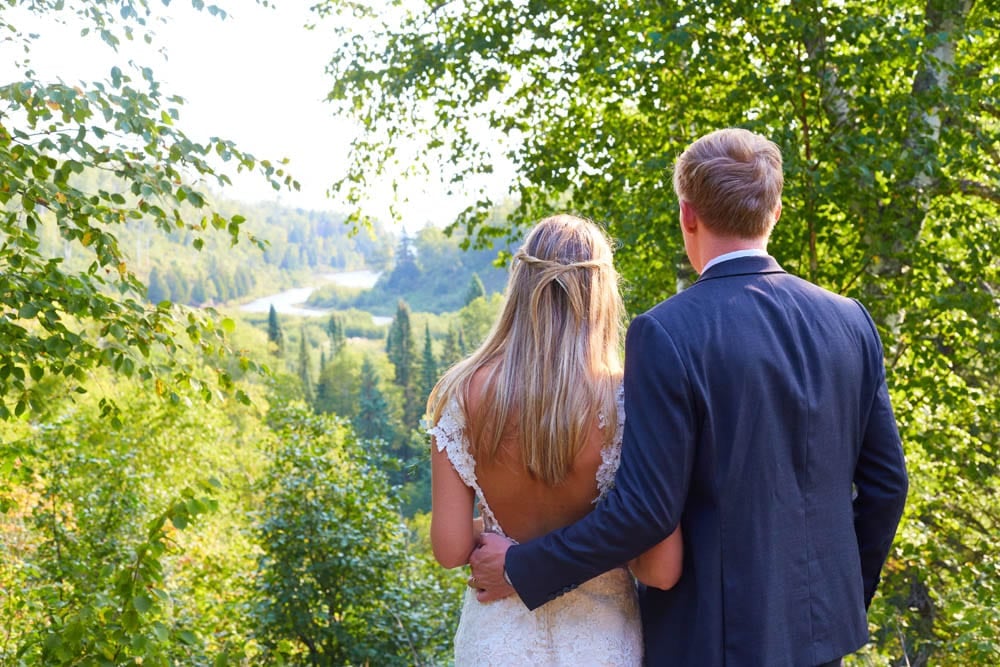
291,301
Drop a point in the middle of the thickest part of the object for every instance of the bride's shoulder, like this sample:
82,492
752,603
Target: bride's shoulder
477,389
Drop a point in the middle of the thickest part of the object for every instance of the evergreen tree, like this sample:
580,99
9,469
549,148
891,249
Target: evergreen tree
274,330
428,367
158,290
451,353
372,421
461,343
335,329
401,351
475,289
321,397
304,373
399,345
406,273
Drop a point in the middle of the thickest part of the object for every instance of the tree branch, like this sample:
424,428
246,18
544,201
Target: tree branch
977,189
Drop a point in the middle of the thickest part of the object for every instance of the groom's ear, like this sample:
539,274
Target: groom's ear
689,217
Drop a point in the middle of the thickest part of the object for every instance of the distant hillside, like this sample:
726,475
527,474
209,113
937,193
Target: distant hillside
297,244
294,245
430,272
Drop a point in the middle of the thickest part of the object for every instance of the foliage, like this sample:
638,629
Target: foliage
477,319
338,388
372,421
353,592
452,351
59,320
107,560
887,117
91,529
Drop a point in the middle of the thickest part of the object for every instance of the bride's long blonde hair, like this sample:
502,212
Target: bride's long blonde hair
553,354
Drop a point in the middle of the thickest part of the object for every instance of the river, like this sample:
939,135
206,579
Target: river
291,301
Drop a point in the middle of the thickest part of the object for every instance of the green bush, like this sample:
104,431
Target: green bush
340,580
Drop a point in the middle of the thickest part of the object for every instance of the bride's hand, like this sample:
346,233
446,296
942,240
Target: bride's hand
487,562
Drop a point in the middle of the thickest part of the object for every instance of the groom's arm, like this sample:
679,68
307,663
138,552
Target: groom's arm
879,477
650,487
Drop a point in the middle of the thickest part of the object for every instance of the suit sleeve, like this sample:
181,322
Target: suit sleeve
646,503
880,479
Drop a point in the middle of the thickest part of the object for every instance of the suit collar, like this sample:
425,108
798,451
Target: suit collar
741,266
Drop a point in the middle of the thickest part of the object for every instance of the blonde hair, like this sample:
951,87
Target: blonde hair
733,179
552,355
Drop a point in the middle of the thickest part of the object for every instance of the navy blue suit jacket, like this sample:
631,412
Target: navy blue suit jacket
757,417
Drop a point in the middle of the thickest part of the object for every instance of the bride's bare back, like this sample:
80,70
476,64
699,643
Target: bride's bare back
526,507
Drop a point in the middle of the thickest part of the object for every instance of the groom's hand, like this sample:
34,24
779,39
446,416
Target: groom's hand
487,562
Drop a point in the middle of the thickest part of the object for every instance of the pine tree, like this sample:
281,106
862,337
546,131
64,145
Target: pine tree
304,375
335,329
428,366
401,351
372,421
321,387
475,289
274,330
399,345
451,353
406,272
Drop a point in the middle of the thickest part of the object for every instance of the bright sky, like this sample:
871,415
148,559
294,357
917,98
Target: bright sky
256,78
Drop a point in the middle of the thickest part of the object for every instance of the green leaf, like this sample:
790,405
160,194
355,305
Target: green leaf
142,603
160,631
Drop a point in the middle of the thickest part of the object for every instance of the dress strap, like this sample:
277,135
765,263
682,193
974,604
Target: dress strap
449,434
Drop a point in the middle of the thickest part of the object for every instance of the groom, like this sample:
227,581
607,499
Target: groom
758,418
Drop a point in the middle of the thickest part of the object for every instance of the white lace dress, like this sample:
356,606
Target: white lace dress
594,624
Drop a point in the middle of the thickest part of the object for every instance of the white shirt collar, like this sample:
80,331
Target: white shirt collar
736,254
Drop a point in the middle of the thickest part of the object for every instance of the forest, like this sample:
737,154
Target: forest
182,482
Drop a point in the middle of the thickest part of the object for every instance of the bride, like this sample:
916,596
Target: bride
530,427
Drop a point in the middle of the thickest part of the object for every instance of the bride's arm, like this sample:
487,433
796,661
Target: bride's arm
660,567
453,534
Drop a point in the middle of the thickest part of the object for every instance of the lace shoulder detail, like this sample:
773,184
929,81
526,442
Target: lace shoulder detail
611,454
449,436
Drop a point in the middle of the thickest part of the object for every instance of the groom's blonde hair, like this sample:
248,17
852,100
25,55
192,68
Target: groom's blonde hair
553,353
733,179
